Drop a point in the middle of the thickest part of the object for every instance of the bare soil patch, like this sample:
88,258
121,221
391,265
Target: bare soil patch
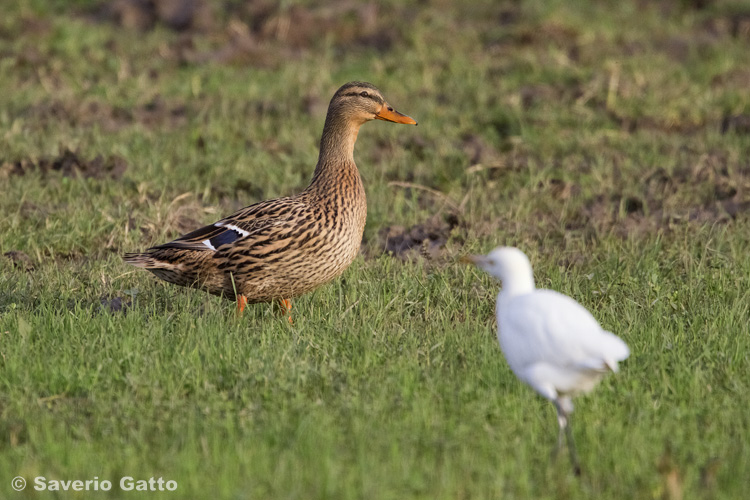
115,304
739,124
20,260
69,164
260,33
427,239
709,191
179,15
155,113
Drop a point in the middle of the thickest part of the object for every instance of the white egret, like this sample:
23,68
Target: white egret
551,342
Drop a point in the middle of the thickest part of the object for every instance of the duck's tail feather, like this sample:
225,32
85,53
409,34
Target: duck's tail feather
146,260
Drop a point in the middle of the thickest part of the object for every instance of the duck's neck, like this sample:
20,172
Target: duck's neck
336,160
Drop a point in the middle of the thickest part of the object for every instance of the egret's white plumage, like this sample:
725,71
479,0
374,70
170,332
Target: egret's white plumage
551,342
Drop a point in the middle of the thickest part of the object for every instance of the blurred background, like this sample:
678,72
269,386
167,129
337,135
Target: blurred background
569,118
610,140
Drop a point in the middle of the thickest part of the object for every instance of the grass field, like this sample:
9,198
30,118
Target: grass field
608,140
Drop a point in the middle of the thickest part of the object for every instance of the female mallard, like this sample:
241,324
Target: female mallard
280,249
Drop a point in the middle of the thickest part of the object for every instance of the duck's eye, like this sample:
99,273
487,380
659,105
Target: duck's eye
364,94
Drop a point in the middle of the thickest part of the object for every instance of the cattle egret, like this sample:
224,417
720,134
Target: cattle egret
551,342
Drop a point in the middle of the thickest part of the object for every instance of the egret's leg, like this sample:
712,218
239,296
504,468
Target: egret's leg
562,422
572,451
563,418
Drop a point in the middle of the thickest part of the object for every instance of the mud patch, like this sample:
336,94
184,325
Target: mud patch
709,192
427,239
735,24
261,33
239,46
739,124
155,113
114,305
20,260
179,15
69,164
344,23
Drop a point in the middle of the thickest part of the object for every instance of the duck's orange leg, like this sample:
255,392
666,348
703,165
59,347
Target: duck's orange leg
241,303
286,309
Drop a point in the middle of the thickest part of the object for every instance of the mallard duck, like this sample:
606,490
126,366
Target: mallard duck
279,249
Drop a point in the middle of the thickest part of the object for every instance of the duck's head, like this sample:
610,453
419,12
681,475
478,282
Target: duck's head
360,102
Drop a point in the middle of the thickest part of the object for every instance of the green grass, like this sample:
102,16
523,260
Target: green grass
588,134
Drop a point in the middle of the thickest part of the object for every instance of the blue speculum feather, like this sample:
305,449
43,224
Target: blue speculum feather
227,236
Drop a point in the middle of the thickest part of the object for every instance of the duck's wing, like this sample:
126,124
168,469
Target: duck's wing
241,225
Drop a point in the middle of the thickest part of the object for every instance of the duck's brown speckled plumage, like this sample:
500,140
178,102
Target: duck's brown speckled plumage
280,249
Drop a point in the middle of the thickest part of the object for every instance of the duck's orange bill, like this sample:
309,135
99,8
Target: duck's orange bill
389,114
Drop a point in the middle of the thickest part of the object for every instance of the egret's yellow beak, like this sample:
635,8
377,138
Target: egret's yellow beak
473,259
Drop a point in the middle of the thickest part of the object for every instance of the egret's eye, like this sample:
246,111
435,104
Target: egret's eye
364,94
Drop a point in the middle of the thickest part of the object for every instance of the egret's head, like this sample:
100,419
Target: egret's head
504,263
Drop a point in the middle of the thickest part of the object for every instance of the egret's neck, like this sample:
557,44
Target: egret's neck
519,281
